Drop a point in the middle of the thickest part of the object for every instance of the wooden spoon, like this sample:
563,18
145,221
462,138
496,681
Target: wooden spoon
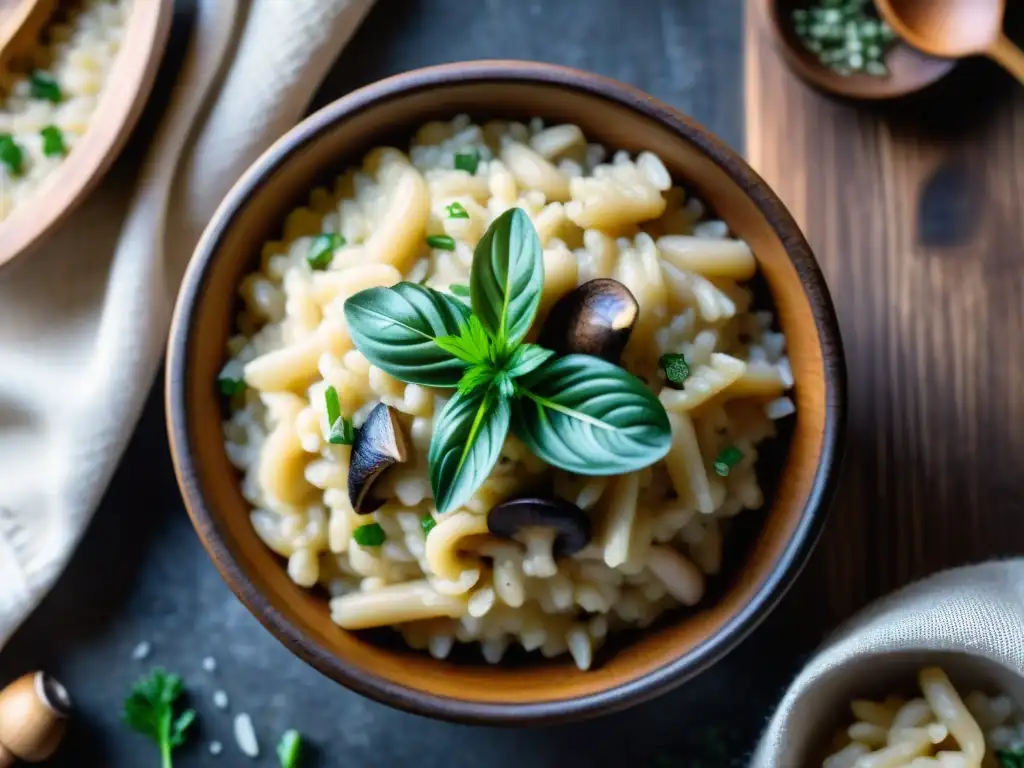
955,28
21,24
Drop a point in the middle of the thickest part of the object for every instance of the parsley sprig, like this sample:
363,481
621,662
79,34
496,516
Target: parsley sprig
150,710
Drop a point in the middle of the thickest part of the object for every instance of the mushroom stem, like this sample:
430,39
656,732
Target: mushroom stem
539,561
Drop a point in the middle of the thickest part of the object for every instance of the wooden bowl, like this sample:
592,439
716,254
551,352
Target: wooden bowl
119,108
620,117
910,70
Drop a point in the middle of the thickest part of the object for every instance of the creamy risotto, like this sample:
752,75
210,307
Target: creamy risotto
46,103
549,560
937,728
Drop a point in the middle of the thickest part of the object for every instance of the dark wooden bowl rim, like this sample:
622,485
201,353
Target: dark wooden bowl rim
613,699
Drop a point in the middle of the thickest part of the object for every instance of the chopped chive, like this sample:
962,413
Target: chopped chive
333,404
371,535
42,85
726,460
467,161
231,379
53,141
443,242
676,369
458,289
456,211
427,523
343,432
11,154
289,748
321,250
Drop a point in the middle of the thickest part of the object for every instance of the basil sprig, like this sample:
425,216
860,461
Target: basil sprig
578,412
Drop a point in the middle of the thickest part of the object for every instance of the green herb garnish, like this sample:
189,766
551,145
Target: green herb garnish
579,413
726,460
321,250
11,154
443,242
458,289
1011,758
342,431
456,211
427,523
53,141
371,535
676,369
42,85
846,36
231,379
289,749
467,161
149,709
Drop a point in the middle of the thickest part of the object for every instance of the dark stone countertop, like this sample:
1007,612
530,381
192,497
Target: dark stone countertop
141,574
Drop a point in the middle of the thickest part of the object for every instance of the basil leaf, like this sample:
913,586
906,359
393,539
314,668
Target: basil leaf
468,437
473,345
396,328
527,358
507,277
588,416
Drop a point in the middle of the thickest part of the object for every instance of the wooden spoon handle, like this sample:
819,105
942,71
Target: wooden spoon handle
21,23
1009,55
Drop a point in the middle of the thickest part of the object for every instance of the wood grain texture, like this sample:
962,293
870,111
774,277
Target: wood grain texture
915,215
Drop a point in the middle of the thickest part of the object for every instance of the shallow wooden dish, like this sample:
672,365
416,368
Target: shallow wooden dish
119,108
532,691
910,69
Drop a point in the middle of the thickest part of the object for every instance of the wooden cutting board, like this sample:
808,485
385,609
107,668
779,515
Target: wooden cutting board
916,213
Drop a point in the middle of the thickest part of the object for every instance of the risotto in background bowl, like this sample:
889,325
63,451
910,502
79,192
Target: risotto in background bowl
501,392
67,107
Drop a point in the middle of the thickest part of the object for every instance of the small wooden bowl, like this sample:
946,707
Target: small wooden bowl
639,666
910,70
119,108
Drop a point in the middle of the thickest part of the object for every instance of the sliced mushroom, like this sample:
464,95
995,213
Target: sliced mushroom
594,319
379,444
570,523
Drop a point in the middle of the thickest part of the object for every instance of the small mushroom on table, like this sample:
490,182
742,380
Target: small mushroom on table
548,527
379,444
33,716
595,319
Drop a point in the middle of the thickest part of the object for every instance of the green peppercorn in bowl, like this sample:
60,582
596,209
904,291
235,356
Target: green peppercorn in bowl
68,106
843,47
526,407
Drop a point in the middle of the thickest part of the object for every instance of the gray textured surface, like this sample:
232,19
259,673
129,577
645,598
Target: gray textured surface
142,575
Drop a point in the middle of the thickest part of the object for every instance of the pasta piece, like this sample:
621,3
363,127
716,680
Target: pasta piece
846,757
339,285
533,171
398,236
712,302
896,755
282,461
442,553
297,365
613,200
560,274
619,513
394,604
681,577
559,140
685,464
950,710
712,258
704,383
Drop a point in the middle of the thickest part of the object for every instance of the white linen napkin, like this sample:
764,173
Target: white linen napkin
976,610
83,321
